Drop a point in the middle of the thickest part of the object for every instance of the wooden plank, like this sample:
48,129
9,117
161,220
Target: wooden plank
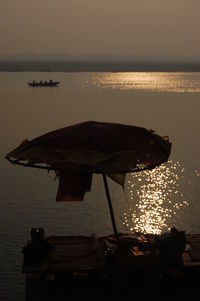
76,265
70,253
192,264
195,255
69,239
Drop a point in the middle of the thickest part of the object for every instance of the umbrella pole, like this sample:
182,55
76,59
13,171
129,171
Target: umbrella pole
110,207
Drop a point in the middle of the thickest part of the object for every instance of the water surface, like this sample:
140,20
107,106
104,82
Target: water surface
168,103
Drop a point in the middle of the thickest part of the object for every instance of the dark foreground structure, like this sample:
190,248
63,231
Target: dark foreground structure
144,265
58,268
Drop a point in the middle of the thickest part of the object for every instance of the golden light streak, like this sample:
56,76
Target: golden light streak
146,81
154,198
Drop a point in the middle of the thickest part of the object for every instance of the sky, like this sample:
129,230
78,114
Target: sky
100,27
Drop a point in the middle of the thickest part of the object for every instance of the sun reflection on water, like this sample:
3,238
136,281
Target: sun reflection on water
154,198
147,81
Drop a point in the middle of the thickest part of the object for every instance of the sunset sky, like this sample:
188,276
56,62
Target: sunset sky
100,27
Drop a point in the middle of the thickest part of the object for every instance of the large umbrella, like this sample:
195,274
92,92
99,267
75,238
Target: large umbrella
76,152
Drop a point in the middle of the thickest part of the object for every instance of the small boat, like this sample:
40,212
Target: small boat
43,83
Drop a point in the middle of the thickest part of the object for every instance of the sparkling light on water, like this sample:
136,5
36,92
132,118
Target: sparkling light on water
154,198
147,81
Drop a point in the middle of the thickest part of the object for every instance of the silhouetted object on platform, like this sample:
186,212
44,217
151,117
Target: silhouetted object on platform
38,248
37,234
76,152
171,247
43,84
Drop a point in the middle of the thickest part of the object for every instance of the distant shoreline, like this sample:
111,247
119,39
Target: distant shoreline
98,66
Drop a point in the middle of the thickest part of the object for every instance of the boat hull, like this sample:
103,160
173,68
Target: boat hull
47,84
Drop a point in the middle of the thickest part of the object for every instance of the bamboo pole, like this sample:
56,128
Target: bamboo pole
110,207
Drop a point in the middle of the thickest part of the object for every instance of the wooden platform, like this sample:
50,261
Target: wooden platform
75,255
83,254
191,256
83,262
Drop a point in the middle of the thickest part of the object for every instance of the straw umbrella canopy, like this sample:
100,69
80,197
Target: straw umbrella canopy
77,151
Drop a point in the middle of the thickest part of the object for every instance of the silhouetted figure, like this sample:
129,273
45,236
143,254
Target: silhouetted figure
38,249
171,247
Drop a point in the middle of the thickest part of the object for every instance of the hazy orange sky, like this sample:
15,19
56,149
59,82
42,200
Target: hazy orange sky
119,27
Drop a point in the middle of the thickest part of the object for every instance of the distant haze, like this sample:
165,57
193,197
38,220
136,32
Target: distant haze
80,28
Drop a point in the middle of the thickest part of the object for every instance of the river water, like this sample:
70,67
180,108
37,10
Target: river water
168,103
